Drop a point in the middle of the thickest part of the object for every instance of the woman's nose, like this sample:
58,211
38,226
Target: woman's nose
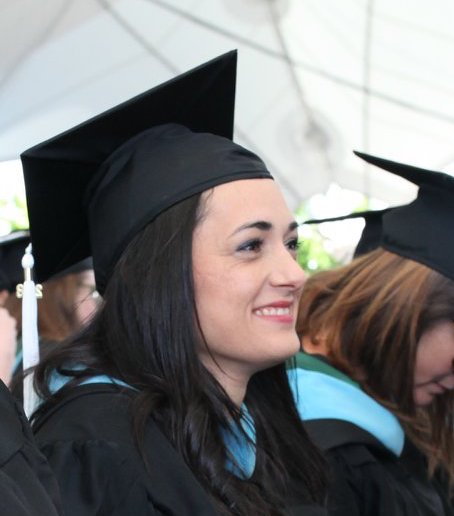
288,272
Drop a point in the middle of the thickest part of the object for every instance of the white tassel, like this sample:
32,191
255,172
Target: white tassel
30,341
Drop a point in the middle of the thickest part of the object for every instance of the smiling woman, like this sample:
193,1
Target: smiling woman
253,263
174,399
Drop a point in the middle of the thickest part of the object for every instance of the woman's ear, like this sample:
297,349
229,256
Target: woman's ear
315,345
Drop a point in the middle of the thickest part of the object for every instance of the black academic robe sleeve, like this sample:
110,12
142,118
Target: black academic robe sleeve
98,477
306,510
27,484
358,487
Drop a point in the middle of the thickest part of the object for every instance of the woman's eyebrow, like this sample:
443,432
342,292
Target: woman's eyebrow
258,224
263,225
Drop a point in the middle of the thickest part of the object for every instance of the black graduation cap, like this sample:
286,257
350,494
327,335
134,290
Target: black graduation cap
92,188
12,249
372,232
422,230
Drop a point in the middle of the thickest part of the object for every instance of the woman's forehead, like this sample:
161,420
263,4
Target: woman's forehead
249,198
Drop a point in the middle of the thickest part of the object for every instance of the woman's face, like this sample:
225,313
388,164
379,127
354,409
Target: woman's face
247,281
434,363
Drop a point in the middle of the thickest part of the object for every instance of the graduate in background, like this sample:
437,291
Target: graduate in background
12,248
27,485
8,343
68,302
174,399
374,384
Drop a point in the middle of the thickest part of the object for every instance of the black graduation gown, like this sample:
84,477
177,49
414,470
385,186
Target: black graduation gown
306,510
27,484
368,480
88,442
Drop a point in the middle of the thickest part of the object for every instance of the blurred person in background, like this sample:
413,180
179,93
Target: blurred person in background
69,299
68,302
12,248
374,382
27,484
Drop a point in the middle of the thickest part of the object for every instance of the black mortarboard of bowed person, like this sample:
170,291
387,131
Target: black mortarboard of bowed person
371,234
422,229
12,248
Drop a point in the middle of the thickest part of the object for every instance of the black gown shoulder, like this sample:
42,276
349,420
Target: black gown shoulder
27,484
88,441
368,480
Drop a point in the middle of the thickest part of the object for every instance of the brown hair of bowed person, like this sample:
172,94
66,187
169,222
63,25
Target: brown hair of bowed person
370,315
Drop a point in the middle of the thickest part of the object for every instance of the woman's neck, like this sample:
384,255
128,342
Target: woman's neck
235,388
233,380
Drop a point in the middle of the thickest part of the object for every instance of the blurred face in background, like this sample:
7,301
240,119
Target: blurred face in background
3,296
86,298
434,374
8,342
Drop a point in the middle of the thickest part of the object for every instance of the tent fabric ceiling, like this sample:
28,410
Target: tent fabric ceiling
315,79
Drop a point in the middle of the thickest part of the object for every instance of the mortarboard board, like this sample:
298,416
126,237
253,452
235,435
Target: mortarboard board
12,249
371,235
423,229
92,188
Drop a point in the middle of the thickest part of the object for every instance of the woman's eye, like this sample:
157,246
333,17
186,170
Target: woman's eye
251,245
293,244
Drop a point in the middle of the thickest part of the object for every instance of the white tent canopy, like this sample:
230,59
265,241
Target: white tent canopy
315,79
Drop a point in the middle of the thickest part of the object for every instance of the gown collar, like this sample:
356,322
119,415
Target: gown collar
319,394
240,440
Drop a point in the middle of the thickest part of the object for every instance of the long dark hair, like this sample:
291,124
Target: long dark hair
146,334
371,315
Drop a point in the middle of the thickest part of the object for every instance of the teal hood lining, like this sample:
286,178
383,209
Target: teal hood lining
320,395
241,452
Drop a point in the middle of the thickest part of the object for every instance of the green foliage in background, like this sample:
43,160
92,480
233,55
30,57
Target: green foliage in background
312,255
13,214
